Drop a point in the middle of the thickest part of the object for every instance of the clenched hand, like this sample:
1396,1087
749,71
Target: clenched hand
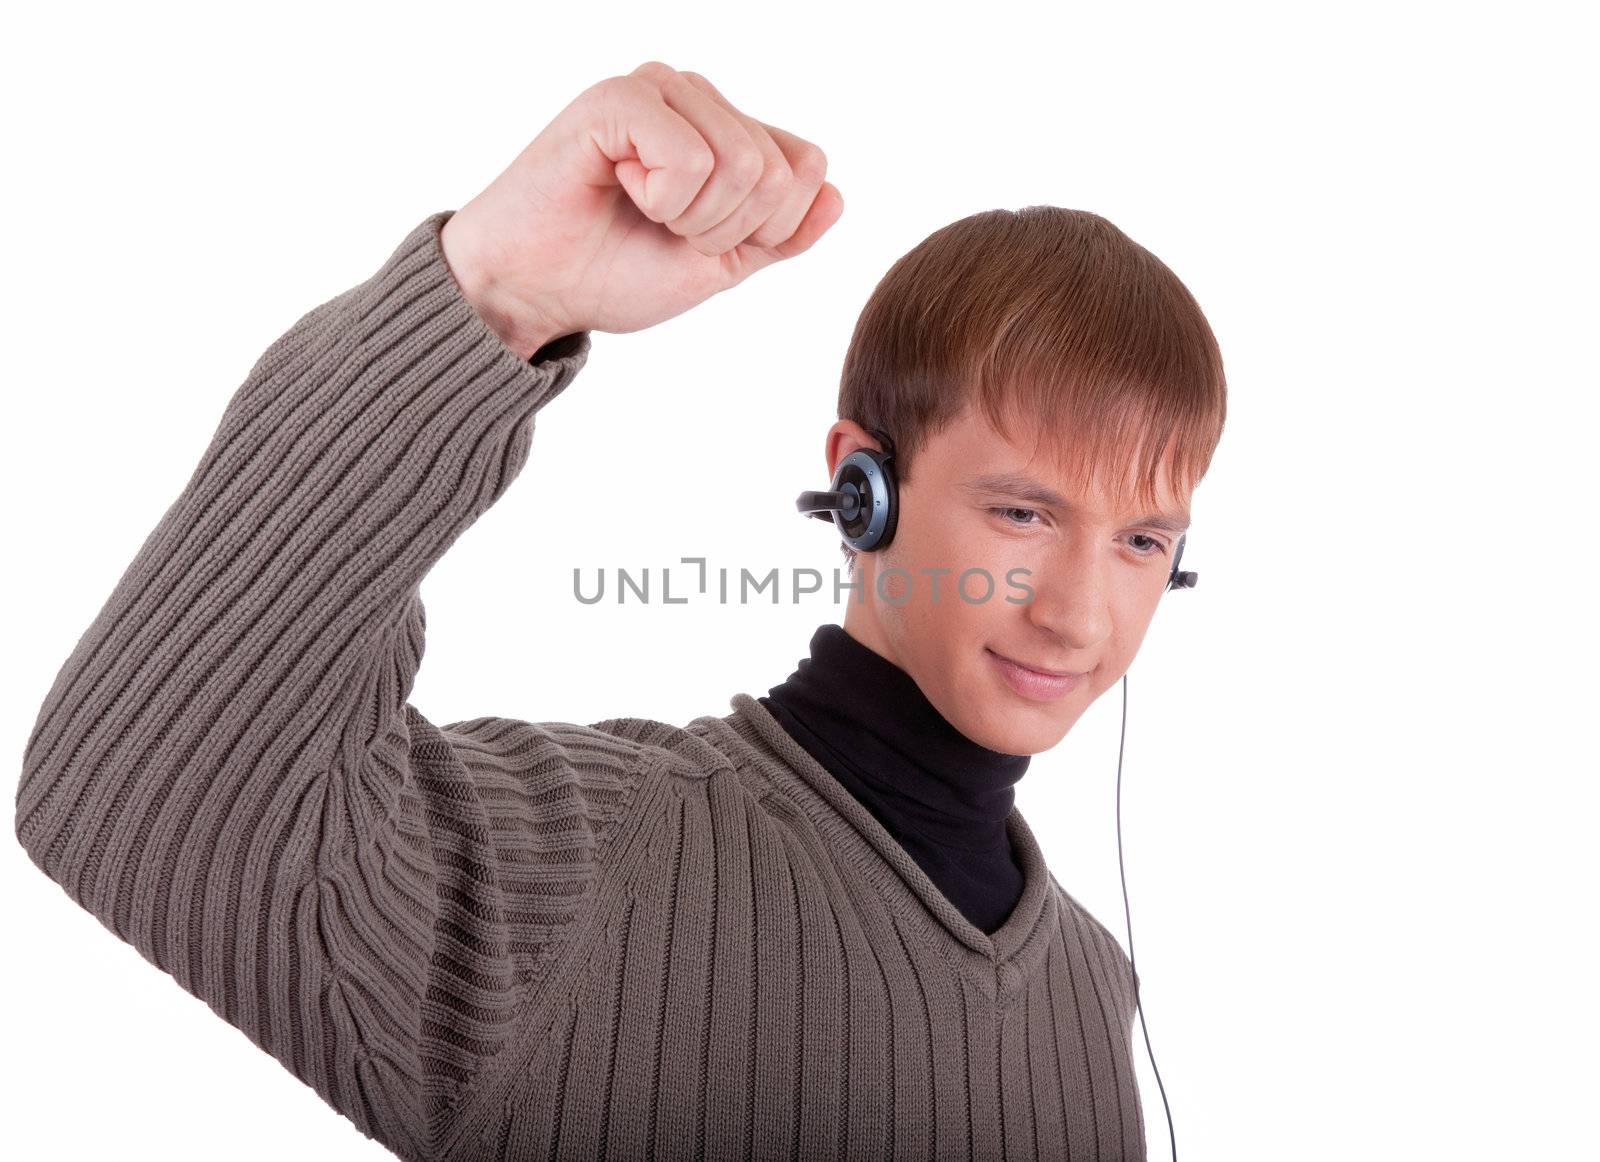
647,194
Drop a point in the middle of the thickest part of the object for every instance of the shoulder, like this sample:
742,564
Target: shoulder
598,758
1075,913
681,752
1098,941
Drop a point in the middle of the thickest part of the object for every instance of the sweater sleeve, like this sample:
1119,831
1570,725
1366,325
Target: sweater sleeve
226,771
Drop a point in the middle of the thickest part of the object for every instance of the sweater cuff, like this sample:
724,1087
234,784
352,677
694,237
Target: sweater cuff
420,265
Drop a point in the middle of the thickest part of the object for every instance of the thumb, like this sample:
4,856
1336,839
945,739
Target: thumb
632,177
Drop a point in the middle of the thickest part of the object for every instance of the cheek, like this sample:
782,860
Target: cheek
935,534
947,636
950,631
926,593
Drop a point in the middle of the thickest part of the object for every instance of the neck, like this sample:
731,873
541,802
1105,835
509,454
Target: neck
866,720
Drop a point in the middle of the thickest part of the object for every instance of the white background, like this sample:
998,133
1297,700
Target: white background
1359,789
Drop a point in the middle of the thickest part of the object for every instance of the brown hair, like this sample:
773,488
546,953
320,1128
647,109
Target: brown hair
1052,315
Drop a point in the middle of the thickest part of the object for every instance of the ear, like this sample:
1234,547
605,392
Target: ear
843,438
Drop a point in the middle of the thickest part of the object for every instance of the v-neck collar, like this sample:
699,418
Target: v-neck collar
1010,950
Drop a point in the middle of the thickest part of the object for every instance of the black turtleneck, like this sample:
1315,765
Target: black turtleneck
943,797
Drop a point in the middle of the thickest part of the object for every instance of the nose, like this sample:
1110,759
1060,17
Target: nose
1071,598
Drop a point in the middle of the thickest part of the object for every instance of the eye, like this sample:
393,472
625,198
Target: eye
1006,515
1023,518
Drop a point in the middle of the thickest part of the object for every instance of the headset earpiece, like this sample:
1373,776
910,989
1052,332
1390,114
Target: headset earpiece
1183,580
862,500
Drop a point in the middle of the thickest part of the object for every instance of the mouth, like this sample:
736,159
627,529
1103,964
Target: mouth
1033,682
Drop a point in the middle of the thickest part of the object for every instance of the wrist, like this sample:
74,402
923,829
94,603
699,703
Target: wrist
520,327
510,321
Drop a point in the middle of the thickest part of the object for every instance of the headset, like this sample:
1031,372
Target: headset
862,502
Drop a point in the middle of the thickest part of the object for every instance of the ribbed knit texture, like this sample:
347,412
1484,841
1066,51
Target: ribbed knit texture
944,798
497,939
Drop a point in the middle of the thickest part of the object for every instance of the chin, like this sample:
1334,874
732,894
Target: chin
1010,731
1030,742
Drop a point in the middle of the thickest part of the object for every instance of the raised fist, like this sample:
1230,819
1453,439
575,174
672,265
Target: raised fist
647,194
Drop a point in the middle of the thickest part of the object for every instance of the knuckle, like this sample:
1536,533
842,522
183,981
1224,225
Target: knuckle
654,70
810,165
622,88
746,165
701,160
776,180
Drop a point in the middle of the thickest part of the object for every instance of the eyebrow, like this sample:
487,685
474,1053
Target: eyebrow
1026,488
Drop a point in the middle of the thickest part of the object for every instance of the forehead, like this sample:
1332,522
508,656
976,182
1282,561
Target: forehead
1052,469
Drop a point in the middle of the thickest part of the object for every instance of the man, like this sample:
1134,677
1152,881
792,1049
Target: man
503,939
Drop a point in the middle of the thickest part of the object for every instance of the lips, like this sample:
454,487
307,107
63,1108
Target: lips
1045,670
1035,685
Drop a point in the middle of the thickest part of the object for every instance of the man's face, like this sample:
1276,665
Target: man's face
1096,575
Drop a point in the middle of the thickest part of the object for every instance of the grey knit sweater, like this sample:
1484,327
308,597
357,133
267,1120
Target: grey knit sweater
497,939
